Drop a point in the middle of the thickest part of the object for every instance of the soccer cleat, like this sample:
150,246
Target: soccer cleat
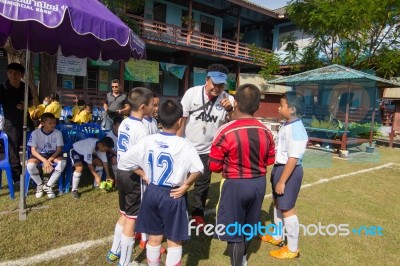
39,191
271,240
109,184
284,253
112,257
75,194
49,191
199,221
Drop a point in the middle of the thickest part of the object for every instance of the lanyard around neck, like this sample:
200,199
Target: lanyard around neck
210,102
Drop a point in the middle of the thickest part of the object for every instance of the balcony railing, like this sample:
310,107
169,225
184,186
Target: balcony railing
181,37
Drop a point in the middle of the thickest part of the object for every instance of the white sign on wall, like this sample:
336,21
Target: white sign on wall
71,65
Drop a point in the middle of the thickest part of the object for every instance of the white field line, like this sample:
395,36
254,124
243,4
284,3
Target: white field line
324,180
57,253
79,247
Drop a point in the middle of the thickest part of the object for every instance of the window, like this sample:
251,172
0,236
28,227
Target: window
160,12
207,25
92,79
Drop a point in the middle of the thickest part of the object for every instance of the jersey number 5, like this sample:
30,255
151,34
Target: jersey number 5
123,140
165,162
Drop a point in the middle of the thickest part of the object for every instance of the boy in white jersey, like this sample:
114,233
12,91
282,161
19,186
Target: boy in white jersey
46,144
90,152
150,121
166,160
287,175
130,132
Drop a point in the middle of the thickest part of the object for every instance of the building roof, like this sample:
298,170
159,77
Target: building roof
333,73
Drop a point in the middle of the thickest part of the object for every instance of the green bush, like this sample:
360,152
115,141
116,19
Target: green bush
362,130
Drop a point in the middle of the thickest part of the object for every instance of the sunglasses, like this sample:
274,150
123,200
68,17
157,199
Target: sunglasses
114,86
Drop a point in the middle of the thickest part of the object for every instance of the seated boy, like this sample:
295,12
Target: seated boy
166,160
46,144
78,107
113,134
92,152
83,116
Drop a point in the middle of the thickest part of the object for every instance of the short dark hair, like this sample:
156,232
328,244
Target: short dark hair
80,102
54,97
16,67
295,100
138,96
248,98
169,112
47,116
219,68
108,142
117,120
115,81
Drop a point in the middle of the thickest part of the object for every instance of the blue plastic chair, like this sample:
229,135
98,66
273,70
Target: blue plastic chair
70,137
92,130
6,166
95,114
66,113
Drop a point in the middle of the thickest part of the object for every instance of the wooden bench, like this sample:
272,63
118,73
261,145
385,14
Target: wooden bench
338,137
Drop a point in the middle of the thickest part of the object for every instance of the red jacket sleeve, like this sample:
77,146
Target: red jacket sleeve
217,154
271,150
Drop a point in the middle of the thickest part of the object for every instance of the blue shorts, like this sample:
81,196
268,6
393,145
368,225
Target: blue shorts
287,200
45,155
160,214
240,202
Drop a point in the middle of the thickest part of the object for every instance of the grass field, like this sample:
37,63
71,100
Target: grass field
361,191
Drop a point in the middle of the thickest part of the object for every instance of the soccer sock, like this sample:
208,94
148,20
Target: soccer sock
115,168
56,173
116,245
75,180
278,221
99,171
34,173
292,232
153,255
236,252
126,249
144,237
174,256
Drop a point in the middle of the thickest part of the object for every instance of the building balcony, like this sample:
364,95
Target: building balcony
172,36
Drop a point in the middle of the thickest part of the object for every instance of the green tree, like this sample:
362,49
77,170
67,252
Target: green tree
361,34
121,7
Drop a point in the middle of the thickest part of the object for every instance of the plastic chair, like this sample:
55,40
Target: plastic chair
66,113
95,115
6,166
92,130
70,137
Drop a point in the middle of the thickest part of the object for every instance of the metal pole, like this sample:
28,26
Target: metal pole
22,203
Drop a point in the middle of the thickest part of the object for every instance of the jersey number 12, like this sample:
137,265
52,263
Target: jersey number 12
163,161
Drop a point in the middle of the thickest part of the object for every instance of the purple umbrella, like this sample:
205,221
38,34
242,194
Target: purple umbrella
83,28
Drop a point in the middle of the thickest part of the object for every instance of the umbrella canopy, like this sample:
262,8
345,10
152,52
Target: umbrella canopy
83,28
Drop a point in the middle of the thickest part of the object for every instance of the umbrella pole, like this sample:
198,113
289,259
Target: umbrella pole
22,202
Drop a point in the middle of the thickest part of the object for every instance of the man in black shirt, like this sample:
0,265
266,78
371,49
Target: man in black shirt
12,99
115,106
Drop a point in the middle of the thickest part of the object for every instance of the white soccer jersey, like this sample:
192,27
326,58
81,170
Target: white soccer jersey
46,143
114,137
291,142
202,121
87,147
165,158
130,132
151,124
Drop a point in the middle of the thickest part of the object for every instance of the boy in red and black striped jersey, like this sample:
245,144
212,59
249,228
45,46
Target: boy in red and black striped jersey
242,150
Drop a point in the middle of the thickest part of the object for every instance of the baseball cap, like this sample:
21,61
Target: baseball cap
217,77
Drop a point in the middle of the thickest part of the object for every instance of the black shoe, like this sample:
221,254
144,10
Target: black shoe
75,194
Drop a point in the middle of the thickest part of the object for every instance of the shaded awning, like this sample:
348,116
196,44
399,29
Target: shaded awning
333,73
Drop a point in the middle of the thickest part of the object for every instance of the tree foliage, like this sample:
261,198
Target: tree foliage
120,8
361,34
